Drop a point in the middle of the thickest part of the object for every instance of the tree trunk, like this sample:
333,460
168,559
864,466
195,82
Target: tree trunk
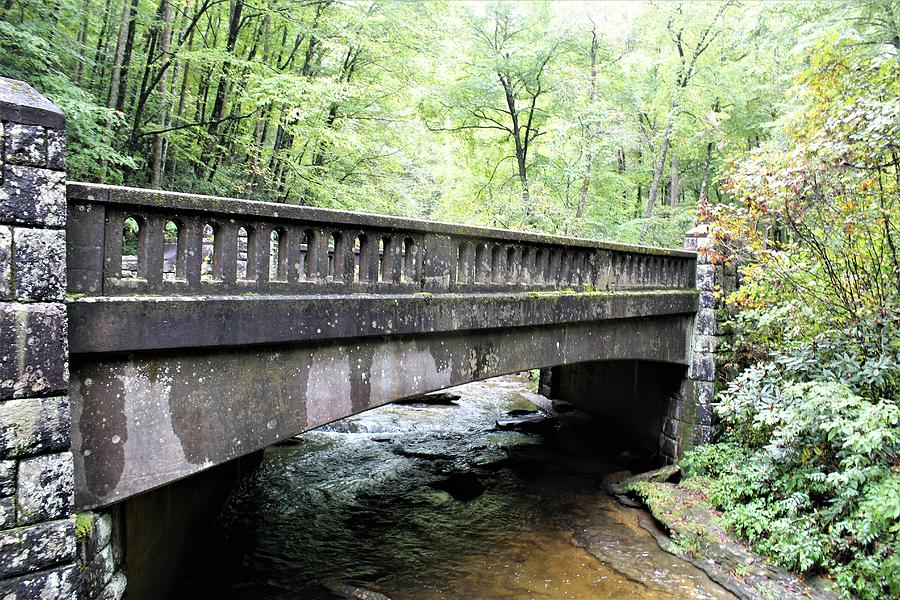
165,40
705,176
659,167
592,130
218,112
116,77
126,58
82,39
675,181
521,157
102,41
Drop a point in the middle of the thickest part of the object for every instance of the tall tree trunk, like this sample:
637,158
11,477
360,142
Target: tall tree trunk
185,69
116,77
126,58
82,40
102,41
165,40
705,177
660,165
521,156
592,130
219,104
675,181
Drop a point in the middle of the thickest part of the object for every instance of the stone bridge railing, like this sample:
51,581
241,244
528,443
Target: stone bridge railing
126,241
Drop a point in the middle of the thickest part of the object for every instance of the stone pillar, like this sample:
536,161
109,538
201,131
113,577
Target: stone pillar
37,528
689,418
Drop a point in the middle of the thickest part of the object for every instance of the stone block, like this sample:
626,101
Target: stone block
705,415
99,537
670,427
20,103
704,392
703,367
53,584
35,548
729,283
25,145
669,448
706,277
7,476
34,426
708,300
40,258
704,255
6,262
706,322
115,589
702,434
704,343
56,149
96,574
117,535
33,196
7,512
33,350
46,487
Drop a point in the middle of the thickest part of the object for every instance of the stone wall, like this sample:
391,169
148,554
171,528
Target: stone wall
44,551
37,540
689,420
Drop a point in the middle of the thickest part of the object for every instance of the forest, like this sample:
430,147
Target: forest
596,119
777,123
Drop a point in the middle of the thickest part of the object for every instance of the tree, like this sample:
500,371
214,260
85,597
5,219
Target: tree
686,68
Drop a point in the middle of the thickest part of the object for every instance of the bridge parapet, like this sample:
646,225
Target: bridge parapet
186,245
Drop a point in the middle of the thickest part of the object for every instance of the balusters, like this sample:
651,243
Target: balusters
192,236
192,252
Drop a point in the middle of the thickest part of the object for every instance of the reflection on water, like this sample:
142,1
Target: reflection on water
423,502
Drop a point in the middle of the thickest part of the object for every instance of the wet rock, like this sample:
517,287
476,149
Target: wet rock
435,399
524,401
618,484
561,406
696,537
461,486
352,592
291,441
533,424
521,412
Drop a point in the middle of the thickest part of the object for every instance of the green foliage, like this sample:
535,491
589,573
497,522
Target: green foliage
397,107
808,466
84,526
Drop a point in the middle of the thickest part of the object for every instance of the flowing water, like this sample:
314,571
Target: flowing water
431,501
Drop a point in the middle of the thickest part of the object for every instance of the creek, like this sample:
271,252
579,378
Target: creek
431,500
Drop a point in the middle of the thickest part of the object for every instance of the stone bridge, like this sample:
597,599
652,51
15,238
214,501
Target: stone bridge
149,336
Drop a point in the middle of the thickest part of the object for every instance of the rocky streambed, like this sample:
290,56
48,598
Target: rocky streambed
483,492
